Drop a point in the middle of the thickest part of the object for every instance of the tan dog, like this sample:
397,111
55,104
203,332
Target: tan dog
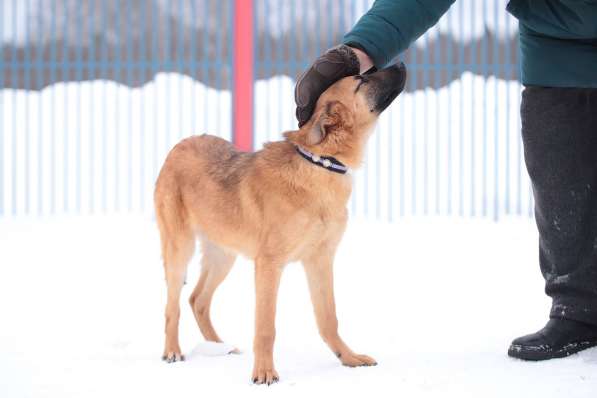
275,206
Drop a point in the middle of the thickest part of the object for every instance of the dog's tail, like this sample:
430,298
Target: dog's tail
176,235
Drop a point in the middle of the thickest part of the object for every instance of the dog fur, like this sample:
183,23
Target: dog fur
272,206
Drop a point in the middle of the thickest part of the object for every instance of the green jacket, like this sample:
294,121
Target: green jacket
558,38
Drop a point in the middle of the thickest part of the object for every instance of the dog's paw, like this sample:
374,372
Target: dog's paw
172,356
353,360
265,376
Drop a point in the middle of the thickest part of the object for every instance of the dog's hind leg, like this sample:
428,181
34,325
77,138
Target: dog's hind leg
177,254
215,266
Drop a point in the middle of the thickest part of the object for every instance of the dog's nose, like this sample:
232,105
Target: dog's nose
388,83
394,75
400,67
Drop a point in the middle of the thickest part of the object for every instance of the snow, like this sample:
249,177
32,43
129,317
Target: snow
213,349
435,301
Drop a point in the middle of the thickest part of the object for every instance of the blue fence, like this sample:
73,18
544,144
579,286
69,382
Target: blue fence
93,94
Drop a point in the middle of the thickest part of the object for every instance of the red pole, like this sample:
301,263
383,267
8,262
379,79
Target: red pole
242,94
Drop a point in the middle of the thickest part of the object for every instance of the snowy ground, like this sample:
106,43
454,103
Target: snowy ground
436,302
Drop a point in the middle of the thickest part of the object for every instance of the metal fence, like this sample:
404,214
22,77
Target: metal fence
93,94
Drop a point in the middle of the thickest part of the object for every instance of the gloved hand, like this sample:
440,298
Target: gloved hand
333,65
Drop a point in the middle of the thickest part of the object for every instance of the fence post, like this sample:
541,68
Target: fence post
242,94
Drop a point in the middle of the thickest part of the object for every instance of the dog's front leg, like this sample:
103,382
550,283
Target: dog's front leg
267,280
319,270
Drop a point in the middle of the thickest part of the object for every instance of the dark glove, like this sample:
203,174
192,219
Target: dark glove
333,65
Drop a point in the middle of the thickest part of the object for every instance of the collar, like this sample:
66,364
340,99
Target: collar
327,162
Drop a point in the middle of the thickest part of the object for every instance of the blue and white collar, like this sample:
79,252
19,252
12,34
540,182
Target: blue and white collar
327,162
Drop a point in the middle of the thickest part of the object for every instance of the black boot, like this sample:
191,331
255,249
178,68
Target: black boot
558,339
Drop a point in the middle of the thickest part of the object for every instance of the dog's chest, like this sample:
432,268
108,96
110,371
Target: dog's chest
327,223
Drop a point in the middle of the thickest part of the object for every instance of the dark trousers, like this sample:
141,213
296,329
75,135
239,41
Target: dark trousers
559,131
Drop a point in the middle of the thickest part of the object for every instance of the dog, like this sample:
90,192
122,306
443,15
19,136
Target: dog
284,203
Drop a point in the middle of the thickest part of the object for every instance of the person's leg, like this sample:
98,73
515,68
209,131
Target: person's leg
559,131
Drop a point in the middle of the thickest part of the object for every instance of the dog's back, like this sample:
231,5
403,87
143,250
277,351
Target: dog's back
198,173
203,159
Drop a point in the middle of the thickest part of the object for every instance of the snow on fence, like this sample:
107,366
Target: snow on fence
86,119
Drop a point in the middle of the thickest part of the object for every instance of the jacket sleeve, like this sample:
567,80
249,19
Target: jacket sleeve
390,26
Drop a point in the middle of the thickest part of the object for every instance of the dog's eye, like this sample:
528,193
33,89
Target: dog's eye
362,79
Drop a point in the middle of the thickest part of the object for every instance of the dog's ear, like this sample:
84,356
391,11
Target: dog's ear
335,116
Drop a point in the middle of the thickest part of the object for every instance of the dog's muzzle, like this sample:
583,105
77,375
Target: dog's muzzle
385,85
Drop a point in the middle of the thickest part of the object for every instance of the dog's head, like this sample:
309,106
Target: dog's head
345,114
